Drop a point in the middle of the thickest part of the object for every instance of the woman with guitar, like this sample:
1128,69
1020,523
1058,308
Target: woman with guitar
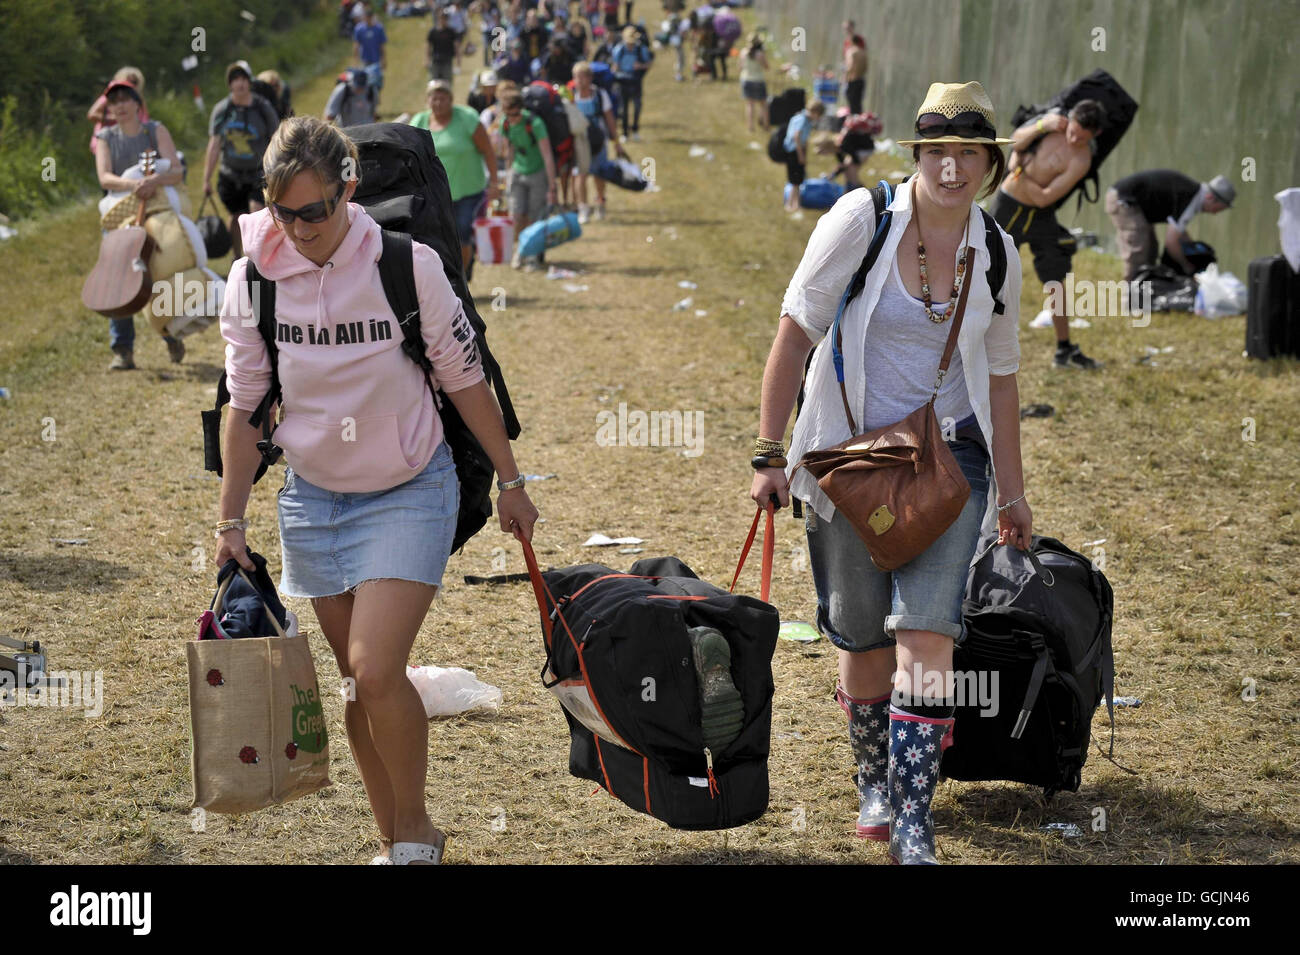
117,149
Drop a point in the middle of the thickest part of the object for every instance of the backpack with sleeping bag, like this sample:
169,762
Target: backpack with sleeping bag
666,684
621,172
1120,109
816,193
1041,621
404,188
544,101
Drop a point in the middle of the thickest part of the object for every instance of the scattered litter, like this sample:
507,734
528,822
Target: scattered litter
447,691
1067,829
69,541
798,631
570,287
793,734
797,215
754,145
1042,320
4,393
1097,543
752,267
555,272
497,579
740,302
7,233
701,312
1080,323
1036,411
1152,350
1281,614
687,283
539,477
649,238
709,157
684,304
631,550
1127,702
600,540
695,152
1148,361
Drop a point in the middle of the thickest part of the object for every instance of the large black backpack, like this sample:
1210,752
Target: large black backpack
1041,619
404,188
776,150
619,658
784,105
541,100
1120,109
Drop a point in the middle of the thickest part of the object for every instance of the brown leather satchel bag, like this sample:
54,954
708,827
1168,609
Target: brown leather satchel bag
899,486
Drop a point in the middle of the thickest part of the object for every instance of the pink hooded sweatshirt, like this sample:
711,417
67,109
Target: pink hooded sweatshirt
358,415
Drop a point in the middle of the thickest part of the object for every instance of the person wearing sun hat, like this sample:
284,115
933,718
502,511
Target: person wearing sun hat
888,624
1050,154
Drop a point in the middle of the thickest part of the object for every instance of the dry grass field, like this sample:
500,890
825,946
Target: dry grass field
1199,527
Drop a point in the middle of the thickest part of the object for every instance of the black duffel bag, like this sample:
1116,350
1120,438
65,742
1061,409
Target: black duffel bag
216,237
619,657
1040,619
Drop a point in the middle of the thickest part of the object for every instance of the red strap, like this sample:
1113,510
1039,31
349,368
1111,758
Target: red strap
540,590
769,547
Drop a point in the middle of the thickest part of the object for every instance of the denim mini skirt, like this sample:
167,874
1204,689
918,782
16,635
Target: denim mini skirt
333,541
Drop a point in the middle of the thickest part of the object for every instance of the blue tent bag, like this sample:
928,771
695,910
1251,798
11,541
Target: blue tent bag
817,193
549,233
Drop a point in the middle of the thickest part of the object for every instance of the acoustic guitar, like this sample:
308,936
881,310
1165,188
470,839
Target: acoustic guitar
120,284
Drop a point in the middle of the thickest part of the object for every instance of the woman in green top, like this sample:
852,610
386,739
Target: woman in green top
466,153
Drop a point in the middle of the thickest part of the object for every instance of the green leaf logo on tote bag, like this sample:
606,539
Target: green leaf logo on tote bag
308,719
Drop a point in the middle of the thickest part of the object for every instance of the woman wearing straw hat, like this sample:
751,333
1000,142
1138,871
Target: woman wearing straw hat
893,628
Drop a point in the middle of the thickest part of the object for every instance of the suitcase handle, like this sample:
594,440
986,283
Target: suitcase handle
769,546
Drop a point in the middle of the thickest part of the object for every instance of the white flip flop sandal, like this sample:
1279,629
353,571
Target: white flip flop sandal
404,853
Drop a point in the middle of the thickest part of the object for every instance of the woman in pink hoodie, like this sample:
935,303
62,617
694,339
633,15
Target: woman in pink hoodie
370,493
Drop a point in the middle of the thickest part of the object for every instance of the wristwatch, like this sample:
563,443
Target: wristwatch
510,485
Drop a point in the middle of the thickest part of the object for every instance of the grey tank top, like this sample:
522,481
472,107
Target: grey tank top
124,151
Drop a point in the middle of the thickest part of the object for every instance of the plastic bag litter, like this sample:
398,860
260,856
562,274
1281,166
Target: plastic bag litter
446,691
695,152
600,540
687,284
1220,294
1288,225
684,304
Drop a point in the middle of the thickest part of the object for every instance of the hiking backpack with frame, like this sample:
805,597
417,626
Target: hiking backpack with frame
404,188
542,100
882,194
1120,109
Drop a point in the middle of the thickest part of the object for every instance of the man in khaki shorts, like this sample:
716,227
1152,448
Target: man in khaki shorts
532,167
1143,200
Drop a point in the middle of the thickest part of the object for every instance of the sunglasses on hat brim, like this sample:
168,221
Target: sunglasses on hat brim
968,125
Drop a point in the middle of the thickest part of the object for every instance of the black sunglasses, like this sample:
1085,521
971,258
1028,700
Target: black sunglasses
968,125
313,212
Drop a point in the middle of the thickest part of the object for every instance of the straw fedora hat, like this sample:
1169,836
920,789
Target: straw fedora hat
956,113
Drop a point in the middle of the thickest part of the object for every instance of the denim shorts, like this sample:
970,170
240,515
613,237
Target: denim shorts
859,606
463,210
333,541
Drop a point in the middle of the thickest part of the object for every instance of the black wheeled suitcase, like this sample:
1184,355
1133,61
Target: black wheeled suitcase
1272,308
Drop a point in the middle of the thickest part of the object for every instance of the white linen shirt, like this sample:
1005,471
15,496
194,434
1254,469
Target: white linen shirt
988,343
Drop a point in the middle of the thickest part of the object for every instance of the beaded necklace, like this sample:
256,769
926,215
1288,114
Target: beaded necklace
925,275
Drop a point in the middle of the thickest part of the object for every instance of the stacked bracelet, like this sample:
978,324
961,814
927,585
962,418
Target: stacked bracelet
766,446
1010,504
235,524
761,461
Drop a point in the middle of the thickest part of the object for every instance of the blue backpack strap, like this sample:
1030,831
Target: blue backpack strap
881,196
